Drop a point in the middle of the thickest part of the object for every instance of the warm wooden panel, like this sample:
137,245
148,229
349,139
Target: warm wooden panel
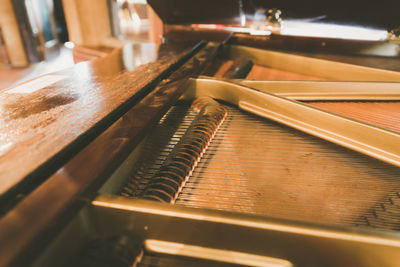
12,38
40,118
9,76
88,21
84,53
156,27
225,65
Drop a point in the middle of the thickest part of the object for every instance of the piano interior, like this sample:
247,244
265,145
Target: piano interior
230,177
226,152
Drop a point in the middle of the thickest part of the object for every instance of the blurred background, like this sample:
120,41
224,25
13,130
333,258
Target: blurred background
41,36
34,38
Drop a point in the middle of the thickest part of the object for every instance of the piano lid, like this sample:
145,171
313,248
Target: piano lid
381,14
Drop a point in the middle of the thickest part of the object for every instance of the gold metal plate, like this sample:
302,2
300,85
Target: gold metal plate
328,90
298,243
365,138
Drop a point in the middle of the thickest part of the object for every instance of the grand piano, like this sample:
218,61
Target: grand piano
239,141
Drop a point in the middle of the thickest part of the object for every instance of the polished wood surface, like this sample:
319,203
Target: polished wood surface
9,76
57,58
84,53
42,127
30,225
179,32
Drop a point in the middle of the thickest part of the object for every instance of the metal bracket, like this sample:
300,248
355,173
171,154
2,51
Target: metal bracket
276,242
328,90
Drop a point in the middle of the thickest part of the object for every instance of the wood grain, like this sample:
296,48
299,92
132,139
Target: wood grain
88,21
12,37
84,53
46,127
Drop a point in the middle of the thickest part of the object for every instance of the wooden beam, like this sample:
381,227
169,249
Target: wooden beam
156,30
88,21
12,38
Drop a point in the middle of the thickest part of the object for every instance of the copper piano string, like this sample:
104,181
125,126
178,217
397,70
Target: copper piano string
157,147
270,183
236,164
168,182
385,214
385,114
365,138
252,167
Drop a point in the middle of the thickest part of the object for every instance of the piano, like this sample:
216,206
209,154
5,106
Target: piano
238,141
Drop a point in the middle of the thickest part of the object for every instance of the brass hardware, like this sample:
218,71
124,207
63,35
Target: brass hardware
328,90
221,255
300,243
